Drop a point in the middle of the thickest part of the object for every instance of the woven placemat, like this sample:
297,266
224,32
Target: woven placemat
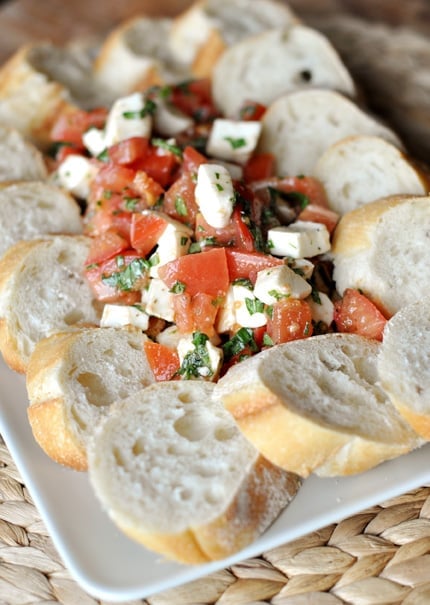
379,556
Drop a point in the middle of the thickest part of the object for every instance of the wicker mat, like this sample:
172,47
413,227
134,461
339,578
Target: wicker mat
379,556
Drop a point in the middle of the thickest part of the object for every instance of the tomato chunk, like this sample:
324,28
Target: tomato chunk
129,150
118,279
202,272
319,214
259,166
145,231
309,186
164,362
106,245
291,320
71,124
355,313
248,264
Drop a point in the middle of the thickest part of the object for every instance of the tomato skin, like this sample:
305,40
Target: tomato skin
195,313
160,165
71,124
114,178
145,231
251,110
307,185
192,159
164,362
201,272
225,236
355,313
259,166
105,292
244,239
179,201
194,98
319,214
106,245
128,151
248,264
291,320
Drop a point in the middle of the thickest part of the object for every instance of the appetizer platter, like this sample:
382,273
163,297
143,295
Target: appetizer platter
212,319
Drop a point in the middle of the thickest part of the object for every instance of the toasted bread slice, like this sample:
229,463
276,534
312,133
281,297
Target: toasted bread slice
19,159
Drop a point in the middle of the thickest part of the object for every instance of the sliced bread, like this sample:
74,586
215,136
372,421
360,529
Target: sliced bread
30,209
42,291
19,159
403,364
361,169
314,405
266,66
298,127
173,471
383,248
72,379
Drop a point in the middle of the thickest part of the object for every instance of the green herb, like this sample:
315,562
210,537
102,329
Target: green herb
175,149
294,198
254,305
178,287
107,194
241,340
91,266
247,112
196,363
269,311
236,143
181,206
278,295
243,281
140,308
131,203
126,278
219,187
103,156
148,109
184,240
307,329
267,341
316,296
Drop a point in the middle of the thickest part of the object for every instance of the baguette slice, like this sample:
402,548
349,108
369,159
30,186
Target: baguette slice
42,291
19,159
135,56
200,34
361,169
30,209
173,471
314,405
268,65
383,249
72,379
41,80
403,364
298,127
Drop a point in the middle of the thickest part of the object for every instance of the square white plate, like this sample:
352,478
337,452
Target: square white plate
110,566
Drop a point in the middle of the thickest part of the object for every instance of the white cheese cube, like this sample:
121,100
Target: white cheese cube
169,337
214,357
169,121
226,317
322,310
76,174
279,282
215,194
94,141
248,309
129,117
302,239
235,171
233,140
302,266
159,300
117,316
173,243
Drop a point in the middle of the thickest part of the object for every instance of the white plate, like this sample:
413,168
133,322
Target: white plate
110,566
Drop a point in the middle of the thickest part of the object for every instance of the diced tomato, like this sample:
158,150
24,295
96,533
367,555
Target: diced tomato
259,166
98,274
164,362
179,200
106,245
183,313
114,178
225,236
128,151
145,231
259,336
194,98
202,272
195,313
192,160
319,214
244,239
71,124
291,320
147,188
160,164
355,313
307,185
64,151
108,214
251,110
248,264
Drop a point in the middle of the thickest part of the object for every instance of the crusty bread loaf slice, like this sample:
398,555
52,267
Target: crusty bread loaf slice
72,379
173,471
383,249
30,209
314,405
200,34
19,159
135,56
403,364
41,80
300,126
42,291
266,66
362,168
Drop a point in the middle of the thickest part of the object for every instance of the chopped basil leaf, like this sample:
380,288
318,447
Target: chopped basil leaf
131,203
295,198
254,305
316,296
91,266
181,206
184,240
167,146
242,339
107,194
140,308
219,187
148,109
196,363
243,281
236,143
178,287
267,341
278,295
103,156
126,278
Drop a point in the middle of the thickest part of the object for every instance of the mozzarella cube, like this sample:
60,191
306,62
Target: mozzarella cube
214,355
117,316
302,239
169,121
169,337
235,171
280,282
233,140
215,194
129,117
173,242
226,317
76,174
159,300
248,309
302,266
94,141
322,309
